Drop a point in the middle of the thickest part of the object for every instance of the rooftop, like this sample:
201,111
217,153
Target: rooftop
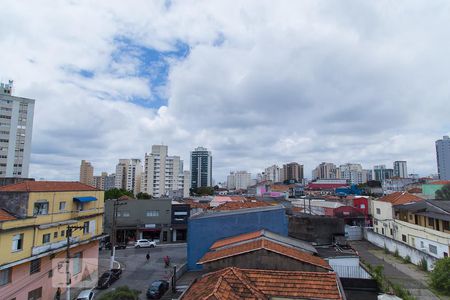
214,214
263,233
235,283
234,205
268,245
5,216
400,198
47,186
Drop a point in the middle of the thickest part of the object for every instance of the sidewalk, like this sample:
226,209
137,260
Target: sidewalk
407,275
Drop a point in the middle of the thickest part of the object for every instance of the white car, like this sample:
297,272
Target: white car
144,244
86,295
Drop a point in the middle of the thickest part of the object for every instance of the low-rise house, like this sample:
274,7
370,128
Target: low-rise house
383,213
236,283
425,226
34,220
263,250
429,189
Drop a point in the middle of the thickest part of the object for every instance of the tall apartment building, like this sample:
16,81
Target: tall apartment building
201,167
354,173
381,173
129,175
34,218
104,181
239,180
443,157
87,173
400,169
16,127
273,173
293,171
163,174
326,171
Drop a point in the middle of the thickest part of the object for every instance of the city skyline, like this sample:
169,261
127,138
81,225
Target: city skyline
318,84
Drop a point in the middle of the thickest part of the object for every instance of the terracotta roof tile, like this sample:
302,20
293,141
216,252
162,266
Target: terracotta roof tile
397,198
267,245
5,216
235,205
234,283
440,182
47,186
237,239
415,191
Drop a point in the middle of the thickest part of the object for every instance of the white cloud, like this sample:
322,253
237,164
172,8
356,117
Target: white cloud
305,81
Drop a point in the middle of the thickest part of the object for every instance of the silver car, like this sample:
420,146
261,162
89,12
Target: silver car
144,244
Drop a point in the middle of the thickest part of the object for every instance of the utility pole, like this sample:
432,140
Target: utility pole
68,235
116,204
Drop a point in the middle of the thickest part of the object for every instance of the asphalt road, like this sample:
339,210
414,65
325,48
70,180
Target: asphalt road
137,272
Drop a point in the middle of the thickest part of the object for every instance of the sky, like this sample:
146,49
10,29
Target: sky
256,82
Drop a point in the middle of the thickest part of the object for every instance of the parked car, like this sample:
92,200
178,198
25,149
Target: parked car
86,295
144,244
118,246
157,289
108,278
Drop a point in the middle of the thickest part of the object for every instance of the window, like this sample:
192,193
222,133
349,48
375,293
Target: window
391,231
382,231
125,214
55,234
432,248
80,206
430,222
446,225
410,217
86,227
35,294
77,263
404,238
422,245
375,221
17,242
62,232
46,238
152,213
40,208
62,206
180,213
362,206
5,276
35,266
378,211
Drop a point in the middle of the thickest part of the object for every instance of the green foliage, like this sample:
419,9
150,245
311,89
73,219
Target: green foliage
117,193
396,253
443,193
401,292
440,276
407,259
202,191
121,293
142,195
423,264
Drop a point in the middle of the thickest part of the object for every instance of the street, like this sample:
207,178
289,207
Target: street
137,272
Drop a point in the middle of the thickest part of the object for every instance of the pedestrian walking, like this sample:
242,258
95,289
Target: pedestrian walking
148,257
58,294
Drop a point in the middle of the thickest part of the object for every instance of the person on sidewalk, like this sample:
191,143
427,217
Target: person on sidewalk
58,294
148,257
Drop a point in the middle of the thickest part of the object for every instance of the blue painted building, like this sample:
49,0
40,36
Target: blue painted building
206,228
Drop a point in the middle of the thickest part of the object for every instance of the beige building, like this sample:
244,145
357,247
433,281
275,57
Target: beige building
293,171
326,171
129,175
163,174
87,173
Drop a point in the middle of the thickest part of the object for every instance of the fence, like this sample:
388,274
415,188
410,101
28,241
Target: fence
403,249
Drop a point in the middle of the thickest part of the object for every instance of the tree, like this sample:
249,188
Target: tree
440,276
117,193
142,195
121,293
443,193
202,191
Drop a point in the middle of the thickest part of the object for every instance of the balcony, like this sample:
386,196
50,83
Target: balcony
53,246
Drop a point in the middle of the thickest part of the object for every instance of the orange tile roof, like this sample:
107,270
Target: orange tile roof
5,216
397,198
234,283
235,205
444,182
47,186
279,188
194,204
415,191
237,239
267,245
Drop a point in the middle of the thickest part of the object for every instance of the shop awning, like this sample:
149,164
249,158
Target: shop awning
84,199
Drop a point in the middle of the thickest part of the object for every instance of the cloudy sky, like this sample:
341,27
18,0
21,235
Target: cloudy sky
257,82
